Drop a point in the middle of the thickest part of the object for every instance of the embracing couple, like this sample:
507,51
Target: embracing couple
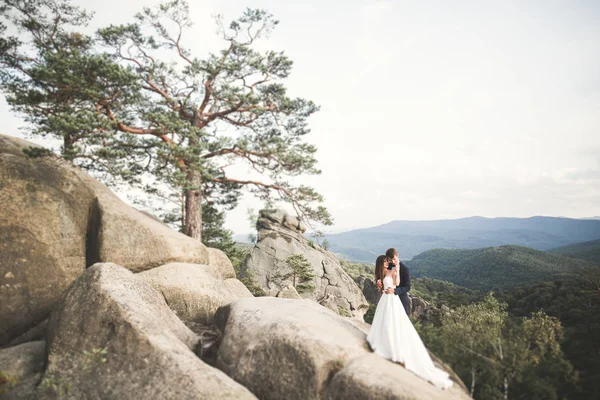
392,334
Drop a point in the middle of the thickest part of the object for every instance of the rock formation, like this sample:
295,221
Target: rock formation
141,311
113,336
21,369
281,235
369,289
55,221
296,349
194,292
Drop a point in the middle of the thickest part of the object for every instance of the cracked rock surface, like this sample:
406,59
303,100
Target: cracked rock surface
56,221
281,235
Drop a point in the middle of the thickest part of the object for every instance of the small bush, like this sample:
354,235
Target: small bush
52,383
368,317
7,382
343,312
37,152
251,285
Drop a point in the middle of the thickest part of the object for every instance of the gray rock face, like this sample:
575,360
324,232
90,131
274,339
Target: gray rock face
270,219
288,292
55,221
369,289
43,225
22,366
418,306
296,349
370,377
284,348
432,314
113,336
122,235
36,333
194,292
281,235
220,260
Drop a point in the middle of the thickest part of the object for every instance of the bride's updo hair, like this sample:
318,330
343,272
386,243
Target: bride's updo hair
379,265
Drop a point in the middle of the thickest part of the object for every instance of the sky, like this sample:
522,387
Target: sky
430,110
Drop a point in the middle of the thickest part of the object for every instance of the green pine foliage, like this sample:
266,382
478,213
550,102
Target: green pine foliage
133,105
302,273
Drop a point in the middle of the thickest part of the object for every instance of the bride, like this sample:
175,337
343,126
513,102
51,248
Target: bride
393,335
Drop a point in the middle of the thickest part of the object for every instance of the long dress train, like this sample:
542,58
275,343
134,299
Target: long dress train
394,337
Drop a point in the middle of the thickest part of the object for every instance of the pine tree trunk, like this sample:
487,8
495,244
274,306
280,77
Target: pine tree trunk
193,196
68,148
193,207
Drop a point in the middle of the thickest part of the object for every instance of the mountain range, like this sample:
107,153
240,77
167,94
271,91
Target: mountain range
414,237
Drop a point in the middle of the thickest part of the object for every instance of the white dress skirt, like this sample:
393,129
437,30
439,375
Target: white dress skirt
393,336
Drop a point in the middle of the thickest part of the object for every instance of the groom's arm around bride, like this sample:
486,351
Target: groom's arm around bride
404,287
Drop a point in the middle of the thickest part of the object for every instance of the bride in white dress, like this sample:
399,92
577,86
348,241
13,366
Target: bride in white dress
393,336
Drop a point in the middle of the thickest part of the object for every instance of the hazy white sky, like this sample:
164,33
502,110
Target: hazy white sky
437,109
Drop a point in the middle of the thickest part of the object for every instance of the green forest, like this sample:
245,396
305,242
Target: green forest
589,251
496,267
532,333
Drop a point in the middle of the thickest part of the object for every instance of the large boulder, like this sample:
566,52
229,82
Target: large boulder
418,306
219,259
288,292
43,226
284,348
21,369
194,292
56,220
295,349
370,377
281,235
120,234
113,336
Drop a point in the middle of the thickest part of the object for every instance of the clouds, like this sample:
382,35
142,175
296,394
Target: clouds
436,109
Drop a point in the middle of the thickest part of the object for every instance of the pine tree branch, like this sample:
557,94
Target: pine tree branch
259,184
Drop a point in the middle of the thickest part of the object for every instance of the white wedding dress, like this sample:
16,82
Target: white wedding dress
394,337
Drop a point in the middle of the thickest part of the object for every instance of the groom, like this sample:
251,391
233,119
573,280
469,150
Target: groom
404,287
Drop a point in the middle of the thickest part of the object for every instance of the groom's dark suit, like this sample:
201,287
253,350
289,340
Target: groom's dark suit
402,290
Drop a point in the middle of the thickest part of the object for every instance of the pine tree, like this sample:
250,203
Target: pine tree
302,273
125,111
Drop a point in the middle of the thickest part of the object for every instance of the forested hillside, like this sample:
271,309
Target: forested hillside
589,251
567,293
576,303
495,267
